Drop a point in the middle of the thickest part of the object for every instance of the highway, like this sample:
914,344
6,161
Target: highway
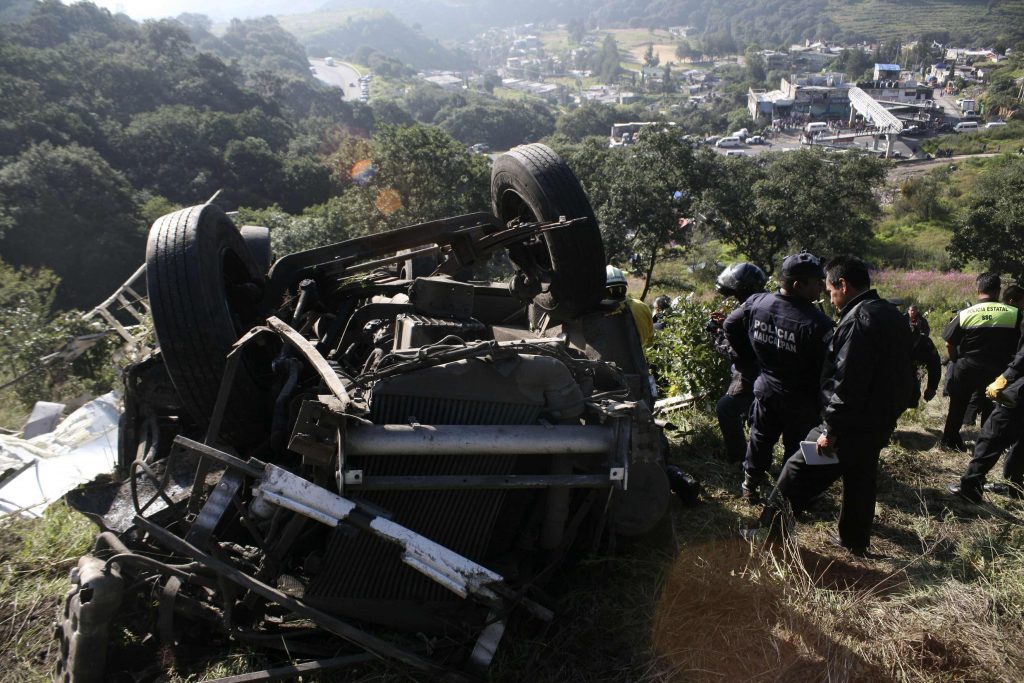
341,75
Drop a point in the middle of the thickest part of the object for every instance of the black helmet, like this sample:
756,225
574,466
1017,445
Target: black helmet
741,280
662,303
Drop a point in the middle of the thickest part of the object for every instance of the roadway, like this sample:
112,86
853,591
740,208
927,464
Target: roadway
341,75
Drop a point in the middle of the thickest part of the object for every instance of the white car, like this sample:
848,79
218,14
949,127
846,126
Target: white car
755,140
995,124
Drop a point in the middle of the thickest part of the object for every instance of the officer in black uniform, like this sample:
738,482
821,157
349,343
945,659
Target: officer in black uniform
980,341
785,335
662,309
866,384
1003,429
740,281
923,352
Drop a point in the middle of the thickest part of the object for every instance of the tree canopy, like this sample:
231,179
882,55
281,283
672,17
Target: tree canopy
990,230
800,199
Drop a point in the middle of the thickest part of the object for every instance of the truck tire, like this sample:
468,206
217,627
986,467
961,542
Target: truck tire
532,183
204,290
257,239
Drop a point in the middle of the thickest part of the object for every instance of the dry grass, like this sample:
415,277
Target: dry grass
35,557
940,599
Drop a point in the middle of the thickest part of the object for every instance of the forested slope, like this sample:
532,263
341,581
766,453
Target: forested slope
104,121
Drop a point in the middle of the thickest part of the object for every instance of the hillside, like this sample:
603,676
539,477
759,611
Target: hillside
768,22
105,121
781,22
344,32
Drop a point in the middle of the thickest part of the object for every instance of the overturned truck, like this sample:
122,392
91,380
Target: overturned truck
363,452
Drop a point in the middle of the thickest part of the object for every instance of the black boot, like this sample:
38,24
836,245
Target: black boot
748,489
970,492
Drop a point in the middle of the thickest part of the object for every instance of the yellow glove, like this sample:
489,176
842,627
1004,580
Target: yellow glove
993,390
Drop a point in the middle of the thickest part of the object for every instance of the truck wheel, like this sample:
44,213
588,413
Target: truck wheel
532,183
257,239
204,291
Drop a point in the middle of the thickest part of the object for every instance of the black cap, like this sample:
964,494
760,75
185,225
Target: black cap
804,264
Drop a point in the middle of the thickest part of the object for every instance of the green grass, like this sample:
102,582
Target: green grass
1002,140
888,19
35,557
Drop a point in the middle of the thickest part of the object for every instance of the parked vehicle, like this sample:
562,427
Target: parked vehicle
755,140
966,104
815,127
995,124
966,127
368,436
735,153
731,141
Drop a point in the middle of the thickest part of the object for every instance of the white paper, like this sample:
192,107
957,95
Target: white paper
813,457
83,446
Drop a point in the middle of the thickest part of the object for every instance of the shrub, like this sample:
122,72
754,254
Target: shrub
30,330
683,358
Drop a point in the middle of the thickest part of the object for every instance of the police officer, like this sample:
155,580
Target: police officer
1002,430
980,341
785,335
739,281
662,308
924,354
866,383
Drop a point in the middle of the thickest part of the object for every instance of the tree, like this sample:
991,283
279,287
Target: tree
66,209
668,85
803,199
651,58
594,118
420,174
650,187
990,230
606,63
576,30
684,51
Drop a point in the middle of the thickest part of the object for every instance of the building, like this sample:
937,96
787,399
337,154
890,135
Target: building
446,80
814,96
941,72
886,72
906,90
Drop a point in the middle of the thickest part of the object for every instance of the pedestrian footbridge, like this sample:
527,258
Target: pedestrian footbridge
885,123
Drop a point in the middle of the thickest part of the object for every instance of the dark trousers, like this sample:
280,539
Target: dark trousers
964,380
733,414
857,466
774,416
1002,430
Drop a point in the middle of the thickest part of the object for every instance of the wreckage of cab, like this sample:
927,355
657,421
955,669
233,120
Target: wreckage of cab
369,445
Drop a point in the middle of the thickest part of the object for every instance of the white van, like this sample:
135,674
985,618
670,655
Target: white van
815,127
731,141
995,124
966,127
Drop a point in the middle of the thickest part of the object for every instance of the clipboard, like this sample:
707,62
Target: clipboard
813,457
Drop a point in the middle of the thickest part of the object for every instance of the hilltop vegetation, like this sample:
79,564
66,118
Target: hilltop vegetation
783,22
342,33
